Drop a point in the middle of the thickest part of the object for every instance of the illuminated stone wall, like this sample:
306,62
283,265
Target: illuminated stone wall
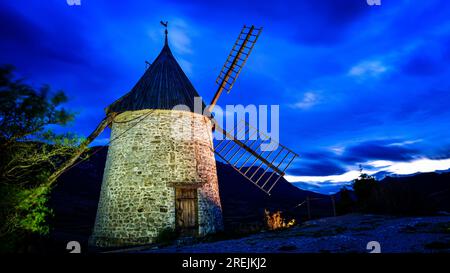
152,152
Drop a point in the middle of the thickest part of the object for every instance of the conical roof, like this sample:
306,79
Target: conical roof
163,86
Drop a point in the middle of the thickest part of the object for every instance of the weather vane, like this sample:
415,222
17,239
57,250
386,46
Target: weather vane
165,25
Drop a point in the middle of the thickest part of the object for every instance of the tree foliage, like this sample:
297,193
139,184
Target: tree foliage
25,111
365,187
345,203
30,151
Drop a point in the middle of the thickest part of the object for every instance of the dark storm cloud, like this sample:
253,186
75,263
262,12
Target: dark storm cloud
299,20
422,65
318,168
332,17
413,20
57,49
429,59
378,150
59,43
324,162
426,104
324,187
16,28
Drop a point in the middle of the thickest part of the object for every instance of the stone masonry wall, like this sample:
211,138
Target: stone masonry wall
151,152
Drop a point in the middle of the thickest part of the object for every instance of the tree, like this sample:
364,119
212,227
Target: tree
24,111
31,153
364,187
345,202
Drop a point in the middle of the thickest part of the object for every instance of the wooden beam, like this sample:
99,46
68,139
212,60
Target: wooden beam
80,150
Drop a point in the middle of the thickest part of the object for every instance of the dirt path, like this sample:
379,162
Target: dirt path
348,233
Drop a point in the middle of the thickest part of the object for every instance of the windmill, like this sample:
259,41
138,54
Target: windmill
156,181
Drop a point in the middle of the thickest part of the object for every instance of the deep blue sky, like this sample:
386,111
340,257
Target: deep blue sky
356,84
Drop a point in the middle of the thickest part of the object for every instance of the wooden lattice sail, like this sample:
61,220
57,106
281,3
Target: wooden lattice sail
260,159
263,167
235,61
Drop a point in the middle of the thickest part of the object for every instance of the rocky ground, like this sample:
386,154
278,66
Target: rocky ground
343,234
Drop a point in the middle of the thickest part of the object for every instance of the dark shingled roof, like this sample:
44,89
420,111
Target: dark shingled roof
163,86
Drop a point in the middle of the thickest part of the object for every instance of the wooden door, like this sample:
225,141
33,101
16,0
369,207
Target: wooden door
186,211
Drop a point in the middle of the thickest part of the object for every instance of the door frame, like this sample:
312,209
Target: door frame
179,229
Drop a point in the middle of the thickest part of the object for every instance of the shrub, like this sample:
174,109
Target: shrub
166,236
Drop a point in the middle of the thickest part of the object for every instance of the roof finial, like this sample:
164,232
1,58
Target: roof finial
165,25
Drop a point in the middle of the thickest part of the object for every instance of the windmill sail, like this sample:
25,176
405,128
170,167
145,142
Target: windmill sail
247,150
236,60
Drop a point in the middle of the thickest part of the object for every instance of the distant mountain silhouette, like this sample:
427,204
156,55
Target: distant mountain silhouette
327,187
419,194
423,193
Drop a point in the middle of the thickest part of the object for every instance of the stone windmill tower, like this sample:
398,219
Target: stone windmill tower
160,172
154,179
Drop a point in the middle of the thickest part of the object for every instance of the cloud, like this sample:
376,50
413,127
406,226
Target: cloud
406,142
364,151
39,43
342,165
180,40
332,183
379,163
332,17
318,167
368,69
335,179
338,150
179,36
186,66
421,165
309,99
421,65
425,61
324,188
378,150
421,105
